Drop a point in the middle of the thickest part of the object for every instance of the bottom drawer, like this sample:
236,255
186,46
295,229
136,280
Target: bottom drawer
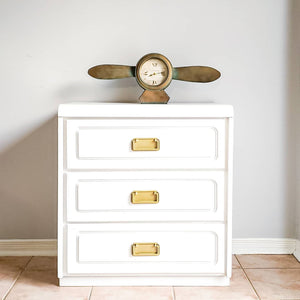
172,248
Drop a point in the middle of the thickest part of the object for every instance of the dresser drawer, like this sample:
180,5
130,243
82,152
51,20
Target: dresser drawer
189,248
145,143
145,196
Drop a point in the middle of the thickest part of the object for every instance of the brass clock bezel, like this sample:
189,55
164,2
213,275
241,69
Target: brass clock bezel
165,83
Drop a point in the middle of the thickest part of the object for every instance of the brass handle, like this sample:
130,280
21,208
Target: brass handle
145,144
145,249
144,197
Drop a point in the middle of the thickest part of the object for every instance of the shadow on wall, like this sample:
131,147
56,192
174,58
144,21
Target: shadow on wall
292,117
28,185
293,113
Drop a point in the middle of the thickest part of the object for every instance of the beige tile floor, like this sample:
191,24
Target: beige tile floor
254,277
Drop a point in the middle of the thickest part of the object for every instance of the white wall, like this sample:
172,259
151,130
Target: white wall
48,46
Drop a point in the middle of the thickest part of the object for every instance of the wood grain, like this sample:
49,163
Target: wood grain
111,71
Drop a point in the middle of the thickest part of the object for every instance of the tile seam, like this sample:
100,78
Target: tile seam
18,276
255,291
173,293
90,294
238,261
265,268
272,269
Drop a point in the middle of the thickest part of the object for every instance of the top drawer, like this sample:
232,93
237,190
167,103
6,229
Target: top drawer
145,143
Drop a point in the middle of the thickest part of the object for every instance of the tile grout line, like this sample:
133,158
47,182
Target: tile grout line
251,284
256,293
254,289
238,261
272,269
12,285
264,268
18,276
173,293
90,294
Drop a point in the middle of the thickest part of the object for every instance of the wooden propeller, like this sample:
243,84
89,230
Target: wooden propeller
192,73
155,93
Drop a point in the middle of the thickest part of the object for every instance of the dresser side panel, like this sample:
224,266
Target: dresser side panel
60,196
229,184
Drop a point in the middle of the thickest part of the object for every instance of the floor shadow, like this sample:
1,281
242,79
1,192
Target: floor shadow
28,185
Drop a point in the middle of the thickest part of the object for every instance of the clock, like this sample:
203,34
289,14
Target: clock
154,72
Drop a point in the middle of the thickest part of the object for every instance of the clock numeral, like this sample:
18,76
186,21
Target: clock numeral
154,82
154,64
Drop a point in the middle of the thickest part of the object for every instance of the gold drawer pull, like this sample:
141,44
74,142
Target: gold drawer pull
145,249
144,197
140,144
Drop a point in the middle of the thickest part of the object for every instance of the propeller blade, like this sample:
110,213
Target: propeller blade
196,74
111,71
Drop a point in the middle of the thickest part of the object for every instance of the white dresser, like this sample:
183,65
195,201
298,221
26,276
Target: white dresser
144,194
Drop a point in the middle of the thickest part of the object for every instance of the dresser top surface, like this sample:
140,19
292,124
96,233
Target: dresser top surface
137,110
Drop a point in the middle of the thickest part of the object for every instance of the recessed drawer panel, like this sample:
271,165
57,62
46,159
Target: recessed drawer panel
146,248
145,196
145,144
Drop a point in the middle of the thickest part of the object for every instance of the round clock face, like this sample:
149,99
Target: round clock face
154,72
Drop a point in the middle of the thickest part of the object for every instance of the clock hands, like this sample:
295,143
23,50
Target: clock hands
156,73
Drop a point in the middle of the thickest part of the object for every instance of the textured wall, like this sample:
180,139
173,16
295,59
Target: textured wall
47,47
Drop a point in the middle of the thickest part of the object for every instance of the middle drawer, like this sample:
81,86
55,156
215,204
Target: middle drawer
145,196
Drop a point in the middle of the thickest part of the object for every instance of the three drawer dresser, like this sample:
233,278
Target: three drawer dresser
144,194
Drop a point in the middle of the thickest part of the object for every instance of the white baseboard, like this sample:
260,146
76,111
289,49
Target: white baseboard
26,247
297,250
48,247
263,246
